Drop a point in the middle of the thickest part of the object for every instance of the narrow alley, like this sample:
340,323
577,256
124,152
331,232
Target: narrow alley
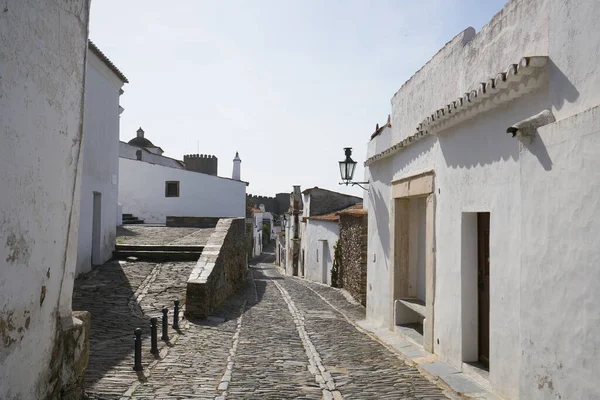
280,338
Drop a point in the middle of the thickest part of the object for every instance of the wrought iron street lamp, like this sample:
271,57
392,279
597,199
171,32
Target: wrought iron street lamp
283,222
347,168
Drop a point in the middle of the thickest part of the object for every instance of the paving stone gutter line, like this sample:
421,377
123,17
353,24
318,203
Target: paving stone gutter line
455,384
322,376
226,378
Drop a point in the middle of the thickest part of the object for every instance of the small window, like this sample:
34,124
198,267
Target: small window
317,255
172,189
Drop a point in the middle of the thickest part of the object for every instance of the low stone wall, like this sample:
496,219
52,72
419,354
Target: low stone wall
220,271
353,246
70,357
192,222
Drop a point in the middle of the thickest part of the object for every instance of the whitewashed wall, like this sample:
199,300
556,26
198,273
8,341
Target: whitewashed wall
142,193
317,265
560,253
258,233
127,150
544,248
100,162
41,119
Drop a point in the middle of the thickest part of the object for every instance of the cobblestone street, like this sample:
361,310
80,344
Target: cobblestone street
279,338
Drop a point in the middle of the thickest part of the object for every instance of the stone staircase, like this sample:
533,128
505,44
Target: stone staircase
130,219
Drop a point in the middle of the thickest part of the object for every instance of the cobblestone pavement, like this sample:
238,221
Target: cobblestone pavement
162,235
279,338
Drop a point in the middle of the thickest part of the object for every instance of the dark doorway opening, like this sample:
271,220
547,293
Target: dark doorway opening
483,287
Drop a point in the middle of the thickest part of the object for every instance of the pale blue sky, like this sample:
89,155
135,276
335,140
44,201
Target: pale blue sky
288,84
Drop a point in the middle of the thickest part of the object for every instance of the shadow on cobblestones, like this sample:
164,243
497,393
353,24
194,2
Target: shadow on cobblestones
105,293
122,231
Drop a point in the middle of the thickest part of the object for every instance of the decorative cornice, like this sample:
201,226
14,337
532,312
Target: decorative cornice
518,80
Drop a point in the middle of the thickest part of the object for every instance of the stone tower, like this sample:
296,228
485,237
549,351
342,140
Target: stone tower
203,163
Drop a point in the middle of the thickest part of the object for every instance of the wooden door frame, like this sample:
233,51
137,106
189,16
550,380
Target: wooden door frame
421,185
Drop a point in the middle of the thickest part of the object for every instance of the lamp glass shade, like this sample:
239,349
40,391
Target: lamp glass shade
347,169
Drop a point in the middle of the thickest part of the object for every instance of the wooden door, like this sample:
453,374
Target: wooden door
483,282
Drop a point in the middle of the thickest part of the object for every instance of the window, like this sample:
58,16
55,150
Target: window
172,189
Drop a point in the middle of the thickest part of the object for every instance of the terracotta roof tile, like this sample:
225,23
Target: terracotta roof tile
356,209
106,61
326,217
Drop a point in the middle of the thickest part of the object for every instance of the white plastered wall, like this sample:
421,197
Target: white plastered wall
316,232
560,279
541,198
100,162
142,193
42,65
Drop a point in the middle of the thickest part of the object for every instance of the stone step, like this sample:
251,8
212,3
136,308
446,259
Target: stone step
127,215
136,221
158,256
146,247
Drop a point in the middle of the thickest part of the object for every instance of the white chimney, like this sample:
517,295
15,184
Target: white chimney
237,167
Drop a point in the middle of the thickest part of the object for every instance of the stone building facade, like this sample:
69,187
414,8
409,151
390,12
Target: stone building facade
353,252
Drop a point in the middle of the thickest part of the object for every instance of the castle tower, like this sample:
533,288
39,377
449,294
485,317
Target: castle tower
237,167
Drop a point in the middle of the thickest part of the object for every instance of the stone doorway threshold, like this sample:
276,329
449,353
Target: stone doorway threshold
461,384
413,332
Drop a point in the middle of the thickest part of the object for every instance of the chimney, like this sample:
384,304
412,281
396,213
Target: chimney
237,167
140,132
297,199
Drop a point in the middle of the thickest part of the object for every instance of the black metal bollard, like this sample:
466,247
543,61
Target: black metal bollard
176,315
165,324
153,335
137,365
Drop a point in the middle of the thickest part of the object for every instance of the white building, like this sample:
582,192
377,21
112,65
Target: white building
257,247
315,236
41,127
152,186
489,240
132,152
99,186
320,234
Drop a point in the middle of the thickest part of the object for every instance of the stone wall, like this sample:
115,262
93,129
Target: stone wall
220,271
276,205
353,245
192,222
270,203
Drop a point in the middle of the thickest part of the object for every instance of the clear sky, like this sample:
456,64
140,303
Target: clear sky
288,84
